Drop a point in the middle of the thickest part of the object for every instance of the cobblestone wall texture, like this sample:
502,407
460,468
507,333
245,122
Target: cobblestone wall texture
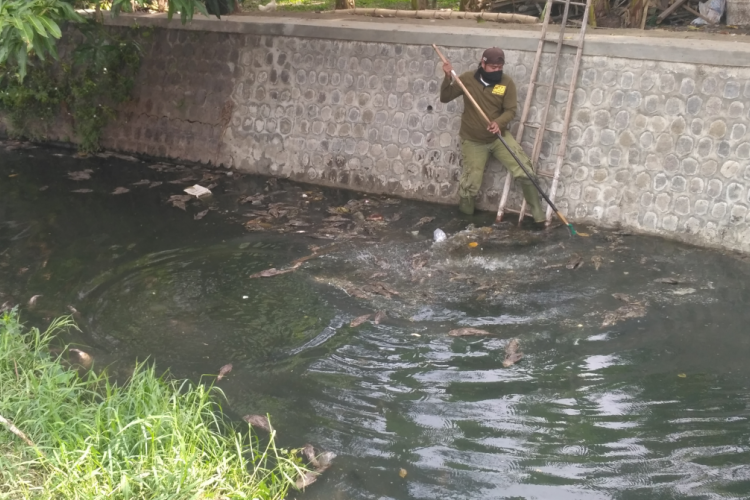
660,148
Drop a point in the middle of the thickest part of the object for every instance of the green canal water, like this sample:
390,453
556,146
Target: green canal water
640,395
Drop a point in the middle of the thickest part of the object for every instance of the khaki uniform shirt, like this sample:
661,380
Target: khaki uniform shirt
499,102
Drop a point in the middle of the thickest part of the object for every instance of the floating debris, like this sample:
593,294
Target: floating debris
423,221
32,301
269,273
379,316
200,215
512,353
632,310
259,422
402,473
439,235
575,262
121,190
671,280
597,261
198,191
82,358
224,370
179,200
358,321
82,191
81,175
468,332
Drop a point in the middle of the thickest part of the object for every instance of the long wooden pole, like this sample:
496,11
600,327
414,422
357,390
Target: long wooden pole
500,136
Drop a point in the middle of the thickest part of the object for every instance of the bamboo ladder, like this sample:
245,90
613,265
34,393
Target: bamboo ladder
542,125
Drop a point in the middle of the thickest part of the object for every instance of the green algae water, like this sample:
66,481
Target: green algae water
635,381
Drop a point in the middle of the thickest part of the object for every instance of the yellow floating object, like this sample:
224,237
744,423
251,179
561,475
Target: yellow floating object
682,375
473,244
402,473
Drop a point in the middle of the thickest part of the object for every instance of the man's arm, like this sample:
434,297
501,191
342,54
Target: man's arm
448,92
510,105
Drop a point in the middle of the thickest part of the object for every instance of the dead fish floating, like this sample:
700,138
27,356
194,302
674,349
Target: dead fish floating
512,353
320,464
259,422
268,273
358,321
468,332
224,370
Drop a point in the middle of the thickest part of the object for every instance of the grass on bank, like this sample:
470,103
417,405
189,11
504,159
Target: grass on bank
150,438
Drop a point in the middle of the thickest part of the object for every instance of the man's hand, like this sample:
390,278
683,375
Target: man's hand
494,128
447,69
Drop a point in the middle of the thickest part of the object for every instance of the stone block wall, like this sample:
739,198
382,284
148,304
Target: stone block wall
655,146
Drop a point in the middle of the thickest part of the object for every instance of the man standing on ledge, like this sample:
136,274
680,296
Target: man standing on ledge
496,95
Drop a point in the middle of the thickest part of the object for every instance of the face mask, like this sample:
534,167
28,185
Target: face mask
491,77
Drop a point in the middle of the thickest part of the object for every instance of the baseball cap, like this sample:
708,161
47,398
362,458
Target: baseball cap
493,55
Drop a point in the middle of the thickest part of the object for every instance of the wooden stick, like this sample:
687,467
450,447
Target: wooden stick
676,5
443,14
645,14
696,13
15,430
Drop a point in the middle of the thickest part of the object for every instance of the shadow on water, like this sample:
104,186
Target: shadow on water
634,382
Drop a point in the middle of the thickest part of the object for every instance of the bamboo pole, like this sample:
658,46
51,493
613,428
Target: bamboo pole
443,14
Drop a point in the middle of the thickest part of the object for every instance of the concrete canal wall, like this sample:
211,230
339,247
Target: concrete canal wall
658,142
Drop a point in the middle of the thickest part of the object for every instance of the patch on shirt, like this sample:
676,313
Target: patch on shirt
499,90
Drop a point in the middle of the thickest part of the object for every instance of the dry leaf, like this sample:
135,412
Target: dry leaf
224,370
200,215
468,332
402,473
358,321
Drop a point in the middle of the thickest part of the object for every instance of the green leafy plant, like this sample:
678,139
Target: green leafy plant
31,27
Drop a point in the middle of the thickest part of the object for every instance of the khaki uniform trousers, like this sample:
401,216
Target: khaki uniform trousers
475,156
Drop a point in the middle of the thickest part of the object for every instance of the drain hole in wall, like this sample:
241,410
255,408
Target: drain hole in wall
429,109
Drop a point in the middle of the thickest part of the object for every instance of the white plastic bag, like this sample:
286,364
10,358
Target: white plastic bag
439,235
710,9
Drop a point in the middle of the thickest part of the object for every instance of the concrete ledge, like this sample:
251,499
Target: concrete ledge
688,50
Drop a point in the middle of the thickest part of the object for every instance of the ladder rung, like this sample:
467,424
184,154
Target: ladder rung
548,129
571,3
558,87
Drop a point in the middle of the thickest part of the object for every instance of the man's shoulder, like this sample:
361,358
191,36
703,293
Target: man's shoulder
467,75
507,80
